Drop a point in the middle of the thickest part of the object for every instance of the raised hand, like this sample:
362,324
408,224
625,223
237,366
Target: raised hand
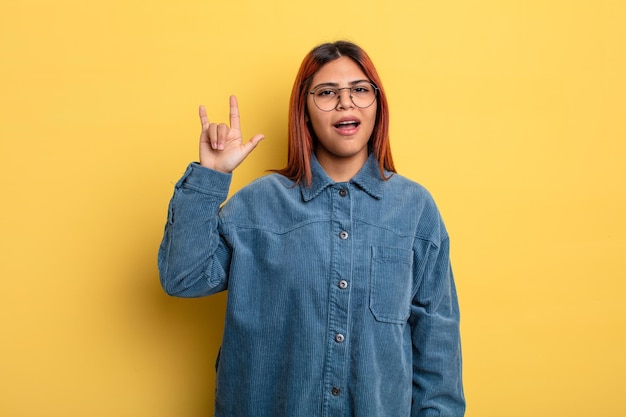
222,147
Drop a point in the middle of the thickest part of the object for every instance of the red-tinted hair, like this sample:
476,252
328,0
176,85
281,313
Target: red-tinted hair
300,137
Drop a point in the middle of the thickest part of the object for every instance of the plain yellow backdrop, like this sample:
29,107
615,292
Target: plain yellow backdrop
512,113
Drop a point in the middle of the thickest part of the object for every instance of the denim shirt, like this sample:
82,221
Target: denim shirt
341,299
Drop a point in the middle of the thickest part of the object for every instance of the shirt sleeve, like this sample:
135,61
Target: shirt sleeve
194,257
437,379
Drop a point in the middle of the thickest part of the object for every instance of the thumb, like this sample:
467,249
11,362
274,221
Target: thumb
252,143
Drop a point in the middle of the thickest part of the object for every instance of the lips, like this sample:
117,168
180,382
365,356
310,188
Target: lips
347,125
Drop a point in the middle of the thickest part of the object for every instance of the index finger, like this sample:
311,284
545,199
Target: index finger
235,122
204,119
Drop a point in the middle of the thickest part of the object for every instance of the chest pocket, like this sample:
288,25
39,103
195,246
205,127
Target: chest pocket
391,284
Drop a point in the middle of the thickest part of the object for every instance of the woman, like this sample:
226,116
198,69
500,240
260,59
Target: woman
341,299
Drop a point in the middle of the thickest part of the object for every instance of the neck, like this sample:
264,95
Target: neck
341,169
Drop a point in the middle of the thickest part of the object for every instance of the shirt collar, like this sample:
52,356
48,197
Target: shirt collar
368,179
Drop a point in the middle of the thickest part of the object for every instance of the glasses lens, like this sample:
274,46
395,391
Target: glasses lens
363,94
326,98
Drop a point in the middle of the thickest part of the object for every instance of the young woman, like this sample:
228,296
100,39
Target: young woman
341,299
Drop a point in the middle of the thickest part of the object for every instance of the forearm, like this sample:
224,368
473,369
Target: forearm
437,369
192,257
437,362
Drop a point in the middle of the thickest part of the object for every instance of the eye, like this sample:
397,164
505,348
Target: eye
326,92
362,89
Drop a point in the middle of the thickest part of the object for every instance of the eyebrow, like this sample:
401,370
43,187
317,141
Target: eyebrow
351,83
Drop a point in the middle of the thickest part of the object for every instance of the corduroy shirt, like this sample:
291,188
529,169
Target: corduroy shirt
341,298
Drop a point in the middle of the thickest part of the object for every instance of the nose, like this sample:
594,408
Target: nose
344,98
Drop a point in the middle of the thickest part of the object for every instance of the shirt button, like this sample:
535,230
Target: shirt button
343,192
335,391
343,284
339,338
343,235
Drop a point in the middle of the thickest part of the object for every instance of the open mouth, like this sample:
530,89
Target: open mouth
347,124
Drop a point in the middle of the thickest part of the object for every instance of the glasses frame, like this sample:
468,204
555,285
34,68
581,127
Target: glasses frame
351,97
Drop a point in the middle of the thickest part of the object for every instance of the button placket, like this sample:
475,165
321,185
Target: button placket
336,368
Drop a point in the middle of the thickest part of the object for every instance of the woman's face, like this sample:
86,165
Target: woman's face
344,132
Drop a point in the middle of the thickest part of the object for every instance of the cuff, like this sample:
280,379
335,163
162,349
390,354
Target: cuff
205,180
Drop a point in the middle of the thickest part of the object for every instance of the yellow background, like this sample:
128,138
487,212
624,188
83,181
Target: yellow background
510,112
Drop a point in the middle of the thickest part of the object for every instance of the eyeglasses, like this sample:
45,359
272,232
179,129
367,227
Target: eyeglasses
327,98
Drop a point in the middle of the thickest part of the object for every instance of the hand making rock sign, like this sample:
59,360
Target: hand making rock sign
221,146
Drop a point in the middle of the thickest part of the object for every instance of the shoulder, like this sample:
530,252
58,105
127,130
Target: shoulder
259,188
414,200
263,196
401,187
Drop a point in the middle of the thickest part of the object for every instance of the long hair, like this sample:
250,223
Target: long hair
300,136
